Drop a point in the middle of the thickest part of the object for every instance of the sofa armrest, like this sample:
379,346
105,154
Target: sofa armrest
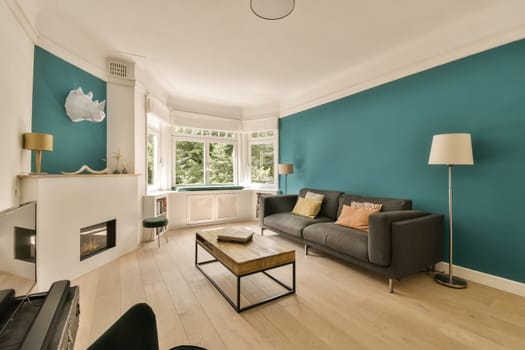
276,204
380,233
416,244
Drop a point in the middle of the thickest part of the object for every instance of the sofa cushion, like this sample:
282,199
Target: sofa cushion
290,223
307,207
389,204
345,240
330,203
356,215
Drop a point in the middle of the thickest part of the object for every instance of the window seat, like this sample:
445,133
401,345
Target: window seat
206,188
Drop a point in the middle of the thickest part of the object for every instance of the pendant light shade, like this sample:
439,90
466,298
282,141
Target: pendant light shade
272,9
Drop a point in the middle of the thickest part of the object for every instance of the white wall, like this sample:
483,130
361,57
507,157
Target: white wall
16,91
68,203
139,126
121,125
158,118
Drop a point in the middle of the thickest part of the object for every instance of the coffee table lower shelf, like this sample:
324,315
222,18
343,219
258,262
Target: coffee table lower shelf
237,306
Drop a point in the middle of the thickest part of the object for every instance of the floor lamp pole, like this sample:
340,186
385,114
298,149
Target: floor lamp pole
285,183
450,280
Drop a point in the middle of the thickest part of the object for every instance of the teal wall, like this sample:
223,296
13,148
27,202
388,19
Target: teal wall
377,143
75,144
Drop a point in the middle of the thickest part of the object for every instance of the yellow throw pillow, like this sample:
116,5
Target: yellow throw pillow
356,216
307,207
314,196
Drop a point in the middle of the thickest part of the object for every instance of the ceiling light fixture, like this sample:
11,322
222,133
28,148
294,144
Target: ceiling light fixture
272,9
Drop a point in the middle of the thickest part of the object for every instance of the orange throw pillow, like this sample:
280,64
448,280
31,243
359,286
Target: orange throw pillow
356,216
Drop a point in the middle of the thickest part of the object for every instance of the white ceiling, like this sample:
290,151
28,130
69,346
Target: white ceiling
216,52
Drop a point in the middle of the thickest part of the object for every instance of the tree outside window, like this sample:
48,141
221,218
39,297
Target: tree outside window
220,163
152,157
262,163
204,157
189,163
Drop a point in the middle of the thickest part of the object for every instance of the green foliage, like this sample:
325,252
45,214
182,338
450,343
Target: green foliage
150,155
262,161
220,163
189,163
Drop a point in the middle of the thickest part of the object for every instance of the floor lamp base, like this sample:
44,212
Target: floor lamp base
454,282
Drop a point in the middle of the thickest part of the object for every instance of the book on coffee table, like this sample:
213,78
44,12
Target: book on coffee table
234,235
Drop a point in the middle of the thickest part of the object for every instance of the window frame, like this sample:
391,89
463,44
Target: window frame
265,140
206,140
155,186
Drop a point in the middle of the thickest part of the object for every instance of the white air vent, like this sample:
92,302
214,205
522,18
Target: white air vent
121,69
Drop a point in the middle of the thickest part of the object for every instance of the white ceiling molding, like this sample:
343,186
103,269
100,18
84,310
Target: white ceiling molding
50,45
414,57
211,108
22,19
158,108
260,124
98,70
203,121
204,67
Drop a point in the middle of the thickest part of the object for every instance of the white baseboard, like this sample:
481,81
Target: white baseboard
485,279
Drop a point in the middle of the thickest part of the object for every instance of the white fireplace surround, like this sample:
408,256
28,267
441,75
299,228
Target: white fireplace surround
66,203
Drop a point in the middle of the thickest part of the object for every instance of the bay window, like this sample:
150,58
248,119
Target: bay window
204,157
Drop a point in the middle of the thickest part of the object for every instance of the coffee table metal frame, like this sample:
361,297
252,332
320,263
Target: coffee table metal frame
237,306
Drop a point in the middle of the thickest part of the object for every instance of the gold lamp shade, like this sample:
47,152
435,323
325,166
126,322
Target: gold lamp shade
38,142
285,169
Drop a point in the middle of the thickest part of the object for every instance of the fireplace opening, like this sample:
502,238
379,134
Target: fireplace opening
95,239
25,244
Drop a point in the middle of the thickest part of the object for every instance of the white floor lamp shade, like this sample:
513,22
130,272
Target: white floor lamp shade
285,169
450,150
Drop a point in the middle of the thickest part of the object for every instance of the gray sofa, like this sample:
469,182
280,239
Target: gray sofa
400,241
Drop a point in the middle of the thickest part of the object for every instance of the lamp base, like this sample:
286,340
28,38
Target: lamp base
454,282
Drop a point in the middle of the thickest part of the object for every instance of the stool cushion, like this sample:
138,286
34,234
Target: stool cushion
159,221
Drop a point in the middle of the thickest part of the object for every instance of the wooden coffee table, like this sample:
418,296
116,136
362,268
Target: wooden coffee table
243,259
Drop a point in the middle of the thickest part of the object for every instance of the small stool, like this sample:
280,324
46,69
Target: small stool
159,222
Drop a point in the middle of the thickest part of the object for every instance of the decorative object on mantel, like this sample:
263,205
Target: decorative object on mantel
272,9
38,142
80,106
88,169
450,150
117,155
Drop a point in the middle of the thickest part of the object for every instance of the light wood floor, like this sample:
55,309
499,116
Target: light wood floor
337,306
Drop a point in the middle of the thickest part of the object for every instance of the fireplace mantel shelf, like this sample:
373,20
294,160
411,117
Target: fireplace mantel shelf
47,176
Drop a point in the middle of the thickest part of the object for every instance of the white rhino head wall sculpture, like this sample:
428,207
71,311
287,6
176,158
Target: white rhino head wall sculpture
80,106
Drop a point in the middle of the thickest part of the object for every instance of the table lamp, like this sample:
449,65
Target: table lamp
450,150
38,142
285,169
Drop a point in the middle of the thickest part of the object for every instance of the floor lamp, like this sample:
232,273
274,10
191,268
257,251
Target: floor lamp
285,169
450,150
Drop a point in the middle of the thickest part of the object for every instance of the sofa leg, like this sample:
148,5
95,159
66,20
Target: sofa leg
262,231
306,249
390,285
